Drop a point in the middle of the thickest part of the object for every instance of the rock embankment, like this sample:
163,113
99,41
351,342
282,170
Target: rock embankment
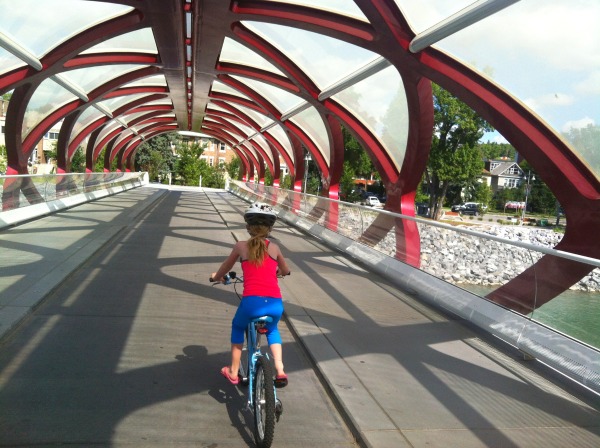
460,258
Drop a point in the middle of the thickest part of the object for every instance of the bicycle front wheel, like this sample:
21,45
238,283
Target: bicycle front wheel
264,403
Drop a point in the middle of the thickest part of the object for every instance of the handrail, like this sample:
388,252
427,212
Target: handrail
545,250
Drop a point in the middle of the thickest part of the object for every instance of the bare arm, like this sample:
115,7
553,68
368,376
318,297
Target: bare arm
282,266
227,264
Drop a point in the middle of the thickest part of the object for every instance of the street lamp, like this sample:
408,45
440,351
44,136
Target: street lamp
527,187
307,159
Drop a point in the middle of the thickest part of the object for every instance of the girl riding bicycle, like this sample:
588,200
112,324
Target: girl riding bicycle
261,262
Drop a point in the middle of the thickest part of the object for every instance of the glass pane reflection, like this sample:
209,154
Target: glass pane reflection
46,99
380,102
53,21
233,51
561,84
311,122
324,59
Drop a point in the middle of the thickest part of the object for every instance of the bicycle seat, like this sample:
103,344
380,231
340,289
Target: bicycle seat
263,319
261,322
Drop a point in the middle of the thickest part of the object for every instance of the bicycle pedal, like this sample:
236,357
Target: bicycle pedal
278,409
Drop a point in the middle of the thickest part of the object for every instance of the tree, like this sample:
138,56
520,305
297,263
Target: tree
454,157
188,166
494,151
3,159
233,168
586,142
156,156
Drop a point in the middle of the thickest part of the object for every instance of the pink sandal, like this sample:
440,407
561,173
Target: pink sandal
281,381
225,373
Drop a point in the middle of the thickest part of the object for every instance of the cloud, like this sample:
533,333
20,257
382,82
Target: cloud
578,124
590,85
550,100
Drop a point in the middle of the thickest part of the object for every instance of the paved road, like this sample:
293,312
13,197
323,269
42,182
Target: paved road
127,351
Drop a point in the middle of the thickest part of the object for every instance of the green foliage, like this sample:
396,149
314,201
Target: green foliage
212,177
286,182
455,158
234,167
78,161
156,156
356,157
495,151
586,142
268,178
188,166
3,159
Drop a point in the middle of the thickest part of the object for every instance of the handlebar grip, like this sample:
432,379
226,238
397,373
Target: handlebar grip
226,278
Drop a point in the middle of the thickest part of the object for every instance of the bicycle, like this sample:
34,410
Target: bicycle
257,372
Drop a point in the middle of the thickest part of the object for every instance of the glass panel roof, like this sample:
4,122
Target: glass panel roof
281,136
42,31
224,88
87,116
114,103
423,14
139,40
562,82
111,126
380,101
311,122
260,141
91,77
260,119
8,61
281,99
324,59
345,7
233,51
46,98
155,80
249,148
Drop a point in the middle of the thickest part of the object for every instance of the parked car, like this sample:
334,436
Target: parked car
372,201
469,208
472,208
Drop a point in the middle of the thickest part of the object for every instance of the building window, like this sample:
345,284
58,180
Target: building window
211,161
221,161
493,166
2,131
513,170
511,183
52,135
222,147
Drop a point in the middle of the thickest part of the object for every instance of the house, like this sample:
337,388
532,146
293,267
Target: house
500,174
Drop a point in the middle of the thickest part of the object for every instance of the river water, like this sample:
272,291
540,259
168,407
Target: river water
574,313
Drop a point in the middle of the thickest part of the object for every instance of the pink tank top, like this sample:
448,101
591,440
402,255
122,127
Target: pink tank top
261,280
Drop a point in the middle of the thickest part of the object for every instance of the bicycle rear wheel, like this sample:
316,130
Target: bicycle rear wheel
264,403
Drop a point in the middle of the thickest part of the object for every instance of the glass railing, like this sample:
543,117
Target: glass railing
522,277
24,190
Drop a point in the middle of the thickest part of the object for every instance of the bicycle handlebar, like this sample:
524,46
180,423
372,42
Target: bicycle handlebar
226,278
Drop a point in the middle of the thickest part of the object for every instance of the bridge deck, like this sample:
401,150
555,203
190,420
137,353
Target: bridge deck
127,349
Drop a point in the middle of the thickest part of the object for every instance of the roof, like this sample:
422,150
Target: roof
278,78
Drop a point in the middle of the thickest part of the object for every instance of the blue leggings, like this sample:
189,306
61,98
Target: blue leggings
252,307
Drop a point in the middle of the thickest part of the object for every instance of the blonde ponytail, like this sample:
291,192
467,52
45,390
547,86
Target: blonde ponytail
257,248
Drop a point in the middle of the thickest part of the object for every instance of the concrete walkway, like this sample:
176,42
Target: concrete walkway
126,349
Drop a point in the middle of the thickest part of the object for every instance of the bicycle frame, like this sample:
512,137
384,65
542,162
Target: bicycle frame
253,351
253,347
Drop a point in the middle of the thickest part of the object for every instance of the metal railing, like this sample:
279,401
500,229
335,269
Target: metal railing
460,268
25,190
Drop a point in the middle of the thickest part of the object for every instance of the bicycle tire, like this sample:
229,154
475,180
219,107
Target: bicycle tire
264,403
